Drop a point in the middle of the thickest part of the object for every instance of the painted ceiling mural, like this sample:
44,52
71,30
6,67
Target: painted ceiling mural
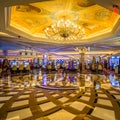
34,18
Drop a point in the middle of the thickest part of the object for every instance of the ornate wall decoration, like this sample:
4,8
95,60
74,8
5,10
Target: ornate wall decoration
27,8
103,14
85,3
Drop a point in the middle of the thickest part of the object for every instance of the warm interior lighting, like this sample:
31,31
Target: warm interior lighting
64,30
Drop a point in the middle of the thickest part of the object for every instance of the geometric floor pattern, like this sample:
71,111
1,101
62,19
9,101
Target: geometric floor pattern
42,104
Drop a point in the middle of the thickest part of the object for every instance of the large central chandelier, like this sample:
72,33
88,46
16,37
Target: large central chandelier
64,30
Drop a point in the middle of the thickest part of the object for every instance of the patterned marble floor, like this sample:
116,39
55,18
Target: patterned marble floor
32,103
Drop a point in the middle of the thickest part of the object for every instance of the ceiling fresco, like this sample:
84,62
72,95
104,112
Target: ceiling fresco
34,18
23,22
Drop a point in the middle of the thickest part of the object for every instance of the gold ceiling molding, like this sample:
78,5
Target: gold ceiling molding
34,18
27,8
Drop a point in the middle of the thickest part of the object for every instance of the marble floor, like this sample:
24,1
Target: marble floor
19,101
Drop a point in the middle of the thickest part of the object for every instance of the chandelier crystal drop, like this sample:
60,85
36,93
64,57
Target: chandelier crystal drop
64,30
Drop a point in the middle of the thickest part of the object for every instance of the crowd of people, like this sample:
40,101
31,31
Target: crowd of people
6,69
94,67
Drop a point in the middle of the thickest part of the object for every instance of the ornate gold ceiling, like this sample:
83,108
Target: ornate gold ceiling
33,18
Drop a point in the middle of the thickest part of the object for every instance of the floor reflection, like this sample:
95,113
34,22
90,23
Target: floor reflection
62,80
115,80
96,93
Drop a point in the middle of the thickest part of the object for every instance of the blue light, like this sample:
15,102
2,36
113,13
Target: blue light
118,57
113,57
114,83
45,56
44,81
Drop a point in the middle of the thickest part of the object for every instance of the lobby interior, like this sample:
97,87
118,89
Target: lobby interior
69,53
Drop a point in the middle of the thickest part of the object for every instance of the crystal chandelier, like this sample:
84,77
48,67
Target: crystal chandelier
82,49
64,30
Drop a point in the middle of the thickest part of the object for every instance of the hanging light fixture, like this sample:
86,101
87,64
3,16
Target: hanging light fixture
82,49
64,30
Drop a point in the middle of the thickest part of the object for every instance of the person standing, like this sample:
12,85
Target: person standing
100,68
5,67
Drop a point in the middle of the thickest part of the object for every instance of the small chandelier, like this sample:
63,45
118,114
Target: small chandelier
82,49
64,30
